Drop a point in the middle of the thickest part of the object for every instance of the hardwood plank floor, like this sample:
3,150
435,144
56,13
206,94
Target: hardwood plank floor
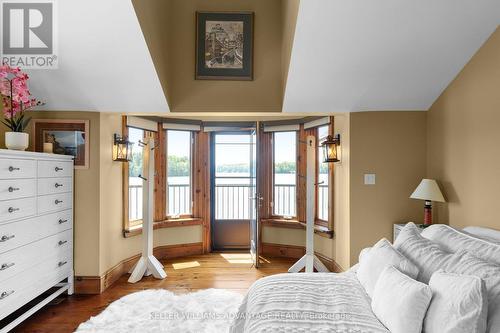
231,271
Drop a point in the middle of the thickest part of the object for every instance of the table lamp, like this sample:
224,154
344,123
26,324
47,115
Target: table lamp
429,191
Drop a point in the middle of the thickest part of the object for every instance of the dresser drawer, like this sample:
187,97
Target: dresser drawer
19,233
17,188
54,202
55,169
20,259
54,185
24,287
16,209
16,168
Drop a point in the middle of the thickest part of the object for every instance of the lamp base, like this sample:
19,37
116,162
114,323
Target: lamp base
427,213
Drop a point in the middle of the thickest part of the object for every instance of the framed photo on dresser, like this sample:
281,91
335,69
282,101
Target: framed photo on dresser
64,137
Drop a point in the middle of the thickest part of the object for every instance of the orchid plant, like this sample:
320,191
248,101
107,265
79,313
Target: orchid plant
16,98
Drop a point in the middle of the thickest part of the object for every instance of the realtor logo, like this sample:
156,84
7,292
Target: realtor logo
28,34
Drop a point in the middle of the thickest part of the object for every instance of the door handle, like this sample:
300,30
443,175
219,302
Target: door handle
6,238
12,189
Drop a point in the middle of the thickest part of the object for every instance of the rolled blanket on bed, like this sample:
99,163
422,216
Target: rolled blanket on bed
307,302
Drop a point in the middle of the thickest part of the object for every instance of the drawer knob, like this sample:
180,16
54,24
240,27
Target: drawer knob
57,201
61,221
6,238
62,242
5,266
12,189
6,294
12,209
62,263
11,168
58,185
58,169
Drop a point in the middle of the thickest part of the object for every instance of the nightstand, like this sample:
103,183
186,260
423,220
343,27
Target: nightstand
399,226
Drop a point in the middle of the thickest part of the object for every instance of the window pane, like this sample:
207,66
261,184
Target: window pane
285,173
134,170
179,199
322,177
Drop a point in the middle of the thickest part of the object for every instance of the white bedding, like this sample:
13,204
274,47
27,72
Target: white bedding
307,302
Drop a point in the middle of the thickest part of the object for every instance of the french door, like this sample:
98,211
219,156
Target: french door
255,198
234,191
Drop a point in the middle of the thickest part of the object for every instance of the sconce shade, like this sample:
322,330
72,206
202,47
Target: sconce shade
428,190
122,149
330,146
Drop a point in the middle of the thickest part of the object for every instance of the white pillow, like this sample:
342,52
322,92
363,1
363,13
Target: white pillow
489,235
465,263
400,302
426,255
363,254
453,240
380,256
459,304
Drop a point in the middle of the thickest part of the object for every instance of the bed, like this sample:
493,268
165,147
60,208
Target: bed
303,302
330,302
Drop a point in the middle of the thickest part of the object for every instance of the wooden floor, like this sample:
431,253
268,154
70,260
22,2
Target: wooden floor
231,271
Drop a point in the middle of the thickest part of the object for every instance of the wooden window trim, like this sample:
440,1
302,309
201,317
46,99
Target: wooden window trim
295,224
181,222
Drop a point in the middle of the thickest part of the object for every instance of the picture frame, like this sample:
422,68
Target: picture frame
224,46
69,137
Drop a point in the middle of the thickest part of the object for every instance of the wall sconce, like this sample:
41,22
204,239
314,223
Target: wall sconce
122,149
330,146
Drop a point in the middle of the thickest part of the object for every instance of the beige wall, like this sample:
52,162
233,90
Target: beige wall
86,204
289,12
463,142
391,145
113,246
174,58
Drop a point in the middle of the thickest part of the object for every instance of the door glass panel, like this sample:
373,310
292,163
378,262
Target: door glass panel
232,176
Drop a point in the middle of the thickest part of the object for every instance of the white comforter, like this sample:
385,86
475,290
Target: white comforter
307,302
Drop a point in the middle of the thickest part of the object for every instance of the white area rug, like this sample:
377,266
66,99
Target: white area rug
158,310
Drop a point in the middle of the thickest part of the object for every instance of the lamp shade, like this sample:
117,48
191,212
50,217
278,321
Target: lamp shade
428,189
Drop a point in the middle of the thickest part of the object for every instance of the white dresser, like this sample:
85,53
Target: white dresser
36,230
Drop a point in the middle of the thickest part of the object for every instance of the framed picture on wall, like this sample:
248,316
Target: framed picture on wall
68,137
224,46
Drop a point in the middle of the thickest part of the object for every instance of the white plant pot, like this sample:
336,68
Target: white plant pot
16,140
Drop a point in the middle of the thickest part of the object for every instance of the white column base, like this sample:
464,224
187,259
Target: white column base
309,262
147,266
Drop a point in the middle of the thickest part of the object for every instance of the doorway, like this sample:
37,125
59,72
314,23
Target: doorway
234,191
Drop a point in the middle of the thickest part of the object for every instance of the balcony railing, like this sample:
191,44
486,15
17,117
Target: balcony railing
285,200
134,202
232,201
179,199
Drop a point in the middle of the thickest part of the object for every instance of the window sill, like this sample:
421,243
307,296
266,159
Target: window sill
181,222
294,224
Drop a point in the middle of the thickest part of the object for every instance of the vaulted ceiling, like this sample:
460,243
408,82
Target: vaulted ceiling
310,56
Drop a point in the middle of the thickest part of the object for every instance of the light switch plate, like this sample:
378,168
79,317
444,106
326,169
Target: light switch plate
369,179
